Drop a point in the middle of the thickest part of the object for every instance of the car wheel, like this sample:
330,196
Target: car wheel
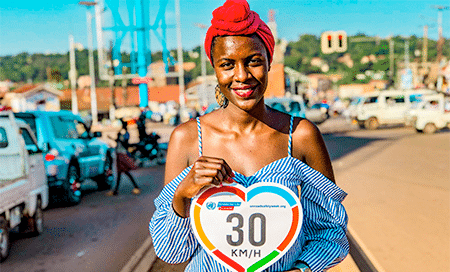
72,186
161,156
429,128
34,225
372,123
106,179
361,124
5,243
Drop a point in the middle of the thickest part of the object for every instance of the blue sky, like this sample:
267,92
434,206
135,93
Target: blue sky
44,26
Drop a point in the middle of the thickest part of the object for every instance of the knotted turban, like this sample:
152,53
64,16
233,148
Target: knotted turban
235,18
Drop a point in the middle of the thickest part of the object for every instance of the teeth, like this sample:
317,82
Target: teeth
243,91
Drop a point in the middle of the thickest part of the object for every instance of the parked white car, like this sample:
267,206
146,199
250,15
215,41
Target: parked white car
23,182
430,115
387,107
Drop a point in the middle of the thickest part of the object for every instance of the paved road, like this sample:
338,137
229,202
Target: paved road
99,234
399,197
398,185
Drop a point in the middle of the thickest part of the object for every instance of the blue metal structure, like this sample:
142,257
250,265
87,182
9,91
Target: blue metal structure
139,30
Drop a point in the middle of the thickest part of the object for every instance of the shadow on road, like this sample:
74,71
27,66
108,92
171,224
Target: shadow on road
341,145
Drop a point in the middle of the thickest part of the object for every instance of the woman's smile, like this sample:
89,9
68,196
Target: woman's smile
245,91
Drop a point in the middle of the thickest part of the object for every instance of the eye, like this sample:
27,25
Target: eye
226,65
255,61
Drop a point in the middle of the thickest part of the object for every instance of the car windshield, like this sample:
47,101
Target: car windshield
3,138
356,101
29,119
67,128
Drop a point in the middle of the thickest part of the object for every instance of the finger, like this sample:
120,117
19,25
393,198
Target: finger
210,162
226,177
207,181
229,172
208,172
216,182
228,169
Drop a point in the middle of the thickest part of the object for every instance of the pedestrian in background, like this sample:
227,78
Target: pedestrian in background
124,163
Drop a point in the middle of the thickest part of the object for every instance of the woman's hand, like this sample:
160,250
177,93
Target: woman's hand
205,172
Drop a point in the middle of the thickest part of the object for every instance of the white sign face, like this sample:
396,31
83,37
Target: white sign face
247,229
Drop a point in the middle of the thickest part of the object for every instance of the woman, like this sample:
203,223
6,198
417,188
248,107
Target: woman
124,162
247,142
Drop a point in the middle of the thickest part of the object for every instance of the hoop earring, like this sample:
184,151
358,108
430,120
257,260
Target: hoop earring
220,98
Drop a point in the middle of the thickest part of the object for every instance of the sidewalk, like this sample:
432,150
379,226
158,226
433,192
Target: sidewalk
398,199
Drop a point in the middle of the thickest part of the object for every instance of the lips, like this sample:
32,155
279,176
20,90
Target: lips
244,92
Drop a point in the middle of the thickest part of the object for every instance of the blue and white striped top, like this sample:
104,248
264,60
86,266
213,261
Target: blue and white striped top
322,242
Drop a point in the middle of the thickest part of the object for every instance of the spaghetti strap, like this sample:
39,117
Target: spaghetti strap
290,136
199,129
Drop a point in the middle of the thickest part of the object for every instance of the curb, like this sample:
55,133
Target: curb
142,259
361,255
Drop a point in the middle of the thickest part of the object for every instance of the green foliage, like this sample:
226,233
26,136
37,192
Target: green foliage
26,67
300,53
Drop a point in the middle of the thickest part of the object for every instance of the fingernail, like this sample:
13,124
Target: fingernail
232,175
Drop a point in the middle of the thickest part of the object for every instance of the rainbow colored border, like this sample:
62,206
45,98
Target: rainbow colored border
263,188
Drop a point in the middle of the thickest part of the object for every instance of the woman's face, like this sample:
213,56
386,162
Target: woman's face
241,65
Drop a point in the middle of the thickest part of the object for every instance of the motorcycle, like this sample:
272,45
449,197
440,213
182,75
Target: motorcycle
148,151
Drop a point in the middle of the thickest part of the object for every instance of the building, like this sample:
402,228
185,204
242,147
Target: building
124,98
42,96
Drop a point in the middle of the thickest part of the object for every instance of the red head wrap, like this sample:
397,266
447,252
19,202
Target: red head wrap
235,18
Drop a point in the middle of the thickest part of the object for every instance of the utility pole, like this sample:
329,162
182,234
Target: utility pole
180,58
407,54
440,42
94,111
203,64
425,44
124,86
112,106
391,59
73,75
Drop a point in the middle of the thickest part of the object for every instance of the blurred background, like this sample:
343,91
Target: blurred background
373,75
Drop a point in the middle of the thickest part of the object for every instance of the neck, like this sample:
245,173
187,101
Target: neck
238,120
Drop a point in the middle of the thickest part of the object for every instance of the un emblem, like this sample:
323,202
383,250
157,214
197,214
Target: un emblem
210,205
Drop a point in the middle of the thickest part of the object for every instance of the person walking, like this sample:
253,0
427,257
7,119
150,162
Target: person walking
247,142
124,162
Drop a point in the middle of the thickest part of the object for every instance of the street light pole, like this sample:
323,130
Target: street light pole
203,64
73,75
94,112
180,58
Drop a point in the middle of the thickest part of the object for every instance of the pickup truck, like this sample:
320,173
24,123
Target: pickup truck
430,115
72,153
23,183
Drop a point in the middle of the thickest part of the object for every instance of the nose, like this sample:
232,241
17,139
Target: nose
240,73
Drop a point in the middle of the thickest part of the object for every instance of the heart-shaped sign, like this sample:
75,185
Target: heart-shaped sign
246,229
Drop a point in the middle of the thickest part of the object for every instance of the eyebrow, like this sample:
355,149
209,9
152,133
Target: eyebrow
249,57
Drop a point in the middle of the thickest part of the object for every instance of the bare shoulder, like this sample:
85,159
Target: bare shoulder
183,146
305,131
185,132
308,146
